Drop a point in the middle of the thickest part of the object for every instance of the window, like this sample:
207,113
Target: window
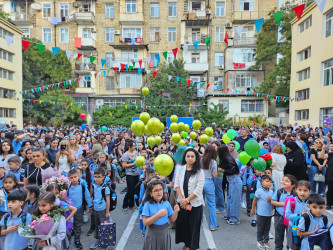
218,80
220,8
63,10
223,105
251,106
109,83
172,35
154,34
109,10
304,54
26,32
46,10
219,33
86,32
244,55
108,57
131,33
129,81
85,83
5,55
130,6
86,8
154,10
302,114
6,74
326,112
246,5
196,6
246,80
172,9
303,94
47,35
6,93
328,72
303,75
329,24
170,57
4,33
247,32
129,55
195,58
109,35
219,59
7,112
64,35
307,23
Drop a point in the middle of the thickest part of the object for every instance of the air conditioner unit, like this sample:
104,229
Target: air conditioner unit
228,25
202,79
117,32
75,5
221,66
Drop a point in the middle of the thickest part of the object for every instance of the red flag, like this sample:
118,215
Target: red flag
207,86
34,101
188,82
65,103
140,63
122,66
115,71
78,55
226,38
77,42
25,44
299,10
95,75
174,51
154,74
254,122
79,79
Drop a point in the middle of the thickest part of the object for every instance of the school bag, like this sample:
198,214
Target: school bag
279,193
253,188
23,216
321,238
292,201
113,195
137,189
70,222
84,202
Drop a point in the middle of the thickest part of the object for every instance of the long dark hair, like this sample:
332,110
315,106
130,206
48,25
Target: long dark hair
150,188
48,197
223,153
209,154
55,186
11,149
196,165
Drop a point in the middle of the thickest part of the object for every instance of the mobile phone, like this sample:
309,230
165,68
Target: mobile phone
62,147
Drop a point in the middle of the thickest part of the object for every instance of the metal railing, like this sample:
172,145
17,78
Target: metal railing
189,39
245,40
85,66
131,41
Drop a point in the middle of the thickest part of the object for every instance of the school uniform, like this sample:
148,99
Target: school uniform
30,207
247,181
18,173
264,214
157,235
299,208
313,223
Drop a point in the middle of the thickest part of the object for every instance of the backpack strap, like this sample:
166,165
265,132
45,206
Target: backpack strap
24,217
325,220
6,219
307,221
83,192
103,191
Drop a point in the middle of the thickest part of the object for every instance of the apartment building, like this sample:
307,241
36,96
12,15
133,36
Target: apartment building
312,66
125,31
10,74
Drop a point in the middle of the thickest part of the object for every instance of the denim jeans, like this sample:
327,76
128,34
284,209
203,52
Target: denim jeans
209,196
312,172
219,197
234,197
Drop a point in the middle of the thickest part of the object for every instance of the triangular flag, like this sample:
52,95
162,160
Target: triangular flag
126,67
78,55
157,56
177,79
182,80
103,61
154,74
130,68
55,50
278,16
133,64
68,53
95,75
170,78
195,45
139,70
140,63
122,66
77,42
115,71
92,59
239,29
258,24
104,72
299,10
9,40
165,54
207,40
321,5
185,48
188,82
207,85
25,44
174,51
40,48
226,38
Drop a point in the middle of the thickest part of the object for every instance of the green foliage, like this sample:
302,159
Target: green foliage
5,16
259,121
207,117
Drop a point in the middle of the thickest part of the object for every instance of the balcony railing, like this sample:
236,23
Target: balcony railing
85,67
117,62
189,39
21,18
131,41
82,17
245,41
196,14
244,16
88,43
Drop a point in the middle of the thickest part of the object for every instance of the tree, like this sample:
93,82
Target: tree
213,114
5,16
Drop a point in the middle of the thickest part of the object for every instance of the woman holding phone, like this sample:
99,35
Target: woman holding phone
64,158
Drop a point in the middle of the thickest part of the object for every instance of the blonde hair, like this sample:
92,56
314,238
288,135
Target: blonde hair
76,146
278,149
66,142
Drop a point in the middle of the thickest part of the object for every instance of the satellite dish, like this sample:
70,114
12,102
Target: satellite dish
36,6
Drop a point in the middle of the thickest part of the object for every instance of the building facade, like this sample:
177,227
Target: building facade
125,31
10,74
312,66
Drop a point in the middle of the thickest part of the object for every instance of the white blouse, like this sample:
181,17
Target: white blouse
280,161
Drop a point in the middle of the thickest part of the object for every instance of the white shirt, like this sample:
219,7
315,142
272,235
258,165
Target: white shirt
63,164
279,160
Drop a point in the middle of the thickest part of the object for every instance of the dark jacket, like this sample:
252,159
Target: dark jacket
296,165
229,165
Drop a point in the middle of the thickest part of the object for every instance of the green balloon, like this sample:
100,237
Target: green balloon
176,138
138,127
147,132
158,140
154,125
186,127
181,126
226,139
193,135
144,116
140,161
162,127
174,118
231,133
237,145
181,142
244,158
151,141
209,131
163,164
184,134
203,139
252,148
259,164
173,127
284,148
103,128
196,124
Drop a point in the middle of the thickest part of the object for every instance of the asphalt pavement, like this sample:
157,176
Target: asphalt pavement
228,237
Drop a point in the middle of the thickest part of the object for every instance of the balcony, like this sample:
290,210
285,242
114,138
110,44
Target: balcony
84,18
21,19
137,43
84,68
197,18
196,68
88,43
246,41
244,16
117,63
131,18
189,39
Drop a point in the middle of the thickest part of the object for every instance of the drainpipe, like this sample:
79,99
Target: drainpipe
55,26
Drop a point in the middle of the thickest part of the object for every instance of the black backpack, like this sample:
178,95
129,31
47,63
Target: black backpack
137,189
113,195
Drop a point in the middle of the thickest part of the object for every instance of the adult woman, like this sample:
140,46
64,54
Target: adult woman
96,147
121,148
172,148
84,145
33,173
218,180
295,161
318,165
75,147
27,158
104,143
232,151
189,185
6,151
51,153
329,173
279,161
64,158
229,167
132,175
260,137
209,166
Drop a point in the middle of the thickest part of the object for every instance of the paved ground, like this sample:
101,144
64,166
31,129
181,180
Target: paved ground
235,237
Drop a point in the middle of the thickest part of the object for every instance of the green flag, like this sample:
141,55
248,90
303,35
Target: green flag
182,80
278,16
40,47
108,71
207,40
165,54
133,64
92,59
202,84
130,68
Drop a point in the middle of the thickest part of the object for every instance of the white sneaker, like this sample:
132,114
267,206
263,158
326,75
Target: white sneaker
268,246
243,205
271,236
261,245
85,217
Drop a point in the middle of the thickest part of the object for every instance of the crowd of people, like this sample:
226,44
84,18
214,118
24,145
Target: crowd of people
299,181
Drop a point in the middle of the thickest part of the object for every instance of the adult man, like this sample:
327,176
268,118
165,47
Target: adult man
111,144
294,138
243,138
326,128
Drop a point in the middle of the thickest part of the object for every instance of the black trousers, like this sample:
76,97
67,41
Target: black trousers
131,181
263,227
78,221
248,200
280,230
329,194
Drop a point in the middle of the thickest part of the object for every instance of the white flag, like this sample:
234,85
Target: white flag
321,5
185,48
9,40
68,54
170,78
239,30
